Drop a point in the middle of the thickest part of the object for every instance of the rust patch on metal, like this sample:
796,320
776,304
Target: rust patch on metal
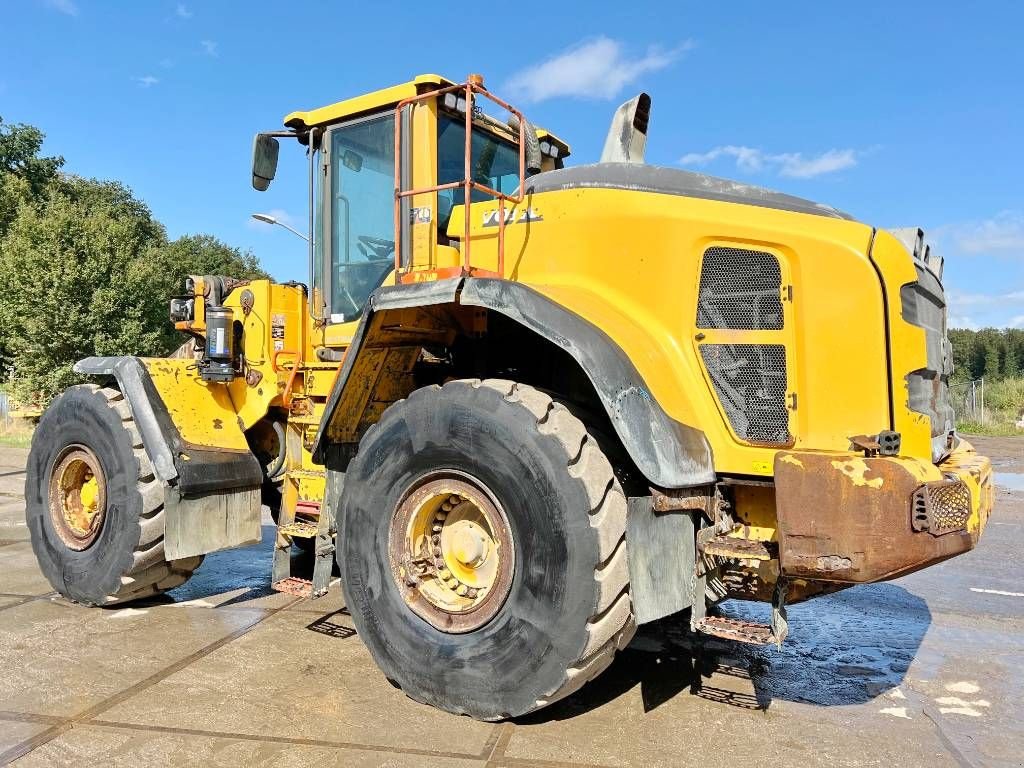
675,499
738,549
734,629
849,519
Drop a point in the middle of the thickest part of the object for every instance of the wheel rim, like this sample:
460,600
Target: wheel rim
451,551
78,497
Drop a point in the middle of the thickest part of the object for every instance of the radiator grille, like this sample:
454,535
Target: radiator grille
750,381
739,289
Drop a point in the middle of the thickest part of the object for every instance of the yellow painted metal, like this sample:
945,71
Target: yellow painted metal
203,412
755,512
464,535
908,347
629,262
368,102
976,471
80,496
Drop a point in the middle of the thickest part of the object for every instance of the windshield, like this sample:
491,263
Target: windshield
495,162
362,213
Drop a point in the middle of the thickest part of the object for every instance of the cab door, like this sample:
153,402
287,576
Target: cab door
358,210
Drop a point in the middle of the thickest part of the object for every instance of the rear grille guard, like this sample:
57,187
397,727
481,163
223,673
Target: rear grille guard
941,507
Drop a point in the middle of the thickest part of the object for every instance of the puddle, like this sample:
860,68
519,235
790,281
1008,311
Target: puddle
1010,481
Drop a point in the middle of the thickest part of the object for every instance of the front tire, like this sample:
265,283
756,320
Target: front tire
112,549
567,609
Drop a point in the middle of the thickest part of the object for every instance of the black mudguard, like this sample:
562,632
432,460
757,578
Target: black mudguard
668,453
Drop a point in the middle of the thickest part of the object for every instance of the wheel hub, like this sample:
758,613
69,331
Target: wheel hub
77,497
451,551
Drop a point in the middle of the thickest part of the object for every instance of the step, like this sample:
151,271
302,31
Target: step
293,585
737,548
299,528
734,629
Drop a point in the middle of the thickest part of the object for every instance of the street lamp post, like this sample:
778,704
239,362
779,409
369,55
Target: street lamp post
266,218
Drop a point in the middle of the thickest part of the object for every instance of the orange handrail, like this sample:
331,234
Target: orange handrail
473,85
286,395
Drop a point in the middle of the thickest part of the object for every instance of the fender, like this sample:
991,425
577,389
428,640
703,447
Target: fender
191,468
211,493
668,453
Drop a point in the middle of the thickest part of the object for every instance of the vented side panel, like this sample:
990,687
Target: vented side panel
739,289
750,381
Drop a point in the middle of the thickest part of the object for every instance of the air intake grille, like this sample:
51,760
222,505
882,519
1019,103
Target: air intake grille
739,289
750,381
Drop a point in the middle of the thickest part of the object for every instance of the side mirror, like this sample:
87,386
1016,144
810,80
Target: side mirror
264,161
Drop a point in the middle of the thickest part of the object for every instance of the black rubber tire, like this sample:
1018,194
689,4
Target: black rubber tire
569,607
126,562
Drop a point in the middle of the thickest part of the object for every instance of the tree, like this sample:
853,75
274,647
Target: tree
90,273
24,175
166,267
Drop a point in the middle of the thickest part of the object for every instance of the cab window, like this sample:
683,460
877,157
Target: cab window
362,236
495,162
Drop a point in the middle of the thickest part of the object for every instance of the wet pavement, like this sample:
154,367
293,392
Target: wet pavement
922,671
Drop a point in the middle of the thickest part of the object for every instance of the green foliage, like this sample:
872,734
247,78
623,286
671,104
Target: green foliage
88,270
1004,408
992,429
168,266
24,175
990,353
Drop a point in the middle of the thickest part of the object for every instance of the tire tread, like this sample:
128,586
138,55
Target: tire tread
612,625
150,573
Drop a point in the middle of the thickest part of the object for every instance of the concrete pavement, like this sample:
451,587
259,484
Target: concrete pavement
923,671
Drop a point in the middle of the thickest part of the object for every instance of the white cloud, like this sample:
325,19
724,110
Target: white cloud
182,12
147,81
962,321
209,47
1001,233
66,7
985,310
166,63
792,164
593,69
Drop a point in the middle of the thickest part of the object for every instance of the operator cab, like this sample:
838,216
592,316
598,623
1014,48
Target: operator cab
353,179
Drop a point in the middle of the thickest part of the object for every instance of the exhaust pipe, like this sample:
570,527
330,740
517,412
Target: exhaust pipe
627,136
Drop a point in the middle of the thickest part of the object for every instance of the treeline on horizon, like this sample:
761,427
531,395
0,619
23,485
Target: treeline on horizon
989,353
87,270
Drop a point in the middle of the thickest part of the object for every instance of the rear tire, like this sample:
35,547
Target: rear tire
568,609
125,561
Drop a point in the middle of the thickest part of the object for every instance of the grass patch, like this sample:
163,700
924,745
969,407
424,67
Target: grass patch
15,434
996,429
1004,406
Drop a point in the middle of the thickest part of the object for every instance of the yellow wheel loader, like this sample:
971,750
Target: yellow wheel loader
525,406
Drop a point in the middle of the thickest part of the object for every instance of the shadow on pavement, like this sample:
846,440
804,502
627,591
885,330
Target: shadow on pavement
844,648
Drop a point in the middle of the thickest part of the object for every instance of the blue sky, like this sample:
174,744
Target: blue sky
900,113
